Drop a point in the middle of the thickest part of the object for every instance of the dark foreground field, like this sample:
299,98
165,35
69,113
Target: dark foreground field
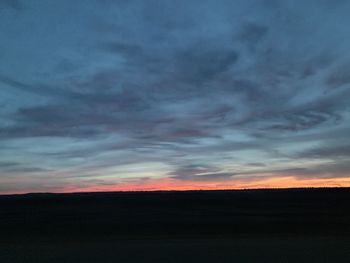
304,225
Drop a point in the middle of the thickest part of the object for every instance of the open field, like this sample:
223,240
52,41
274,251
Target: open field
292,225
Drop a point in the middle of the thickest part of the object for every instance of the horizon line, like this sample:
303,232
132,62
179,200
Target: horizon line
179,190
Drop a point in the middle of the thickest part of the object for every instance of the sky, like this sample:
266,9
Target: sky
102,95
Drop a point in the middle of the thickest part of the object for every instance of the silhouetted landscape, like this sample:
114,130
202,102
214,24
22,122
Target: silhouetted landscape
285,225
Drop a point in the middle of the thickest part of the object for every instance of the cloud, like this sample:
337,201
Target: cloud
12,4
8,164
326,170
339,77
202,63
199,173
252,33
327,152
304,120
125,49
38,89
15,167
234,87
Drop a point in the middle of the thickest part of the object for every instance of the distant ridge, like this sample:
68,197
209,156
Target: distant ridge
182,191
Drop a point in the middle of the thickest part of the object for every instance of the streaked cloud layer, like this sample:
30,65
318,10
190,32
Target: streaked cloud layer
104,95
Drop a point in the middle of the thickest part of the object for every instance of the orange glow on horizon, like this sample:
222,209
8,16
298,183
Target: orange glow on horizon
175,185
168,185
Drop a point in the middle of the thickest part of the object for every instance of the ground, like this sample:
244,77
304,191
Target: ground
291,225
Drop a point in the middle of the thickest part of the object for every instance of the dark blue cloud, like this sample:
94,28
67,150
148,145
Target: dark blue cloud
11,4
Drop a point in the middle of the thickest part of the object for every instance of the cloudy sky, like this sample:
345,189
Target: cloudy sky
189,94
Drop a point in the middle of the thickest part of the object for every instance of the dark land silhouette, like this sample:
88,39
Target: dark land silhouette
280,225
